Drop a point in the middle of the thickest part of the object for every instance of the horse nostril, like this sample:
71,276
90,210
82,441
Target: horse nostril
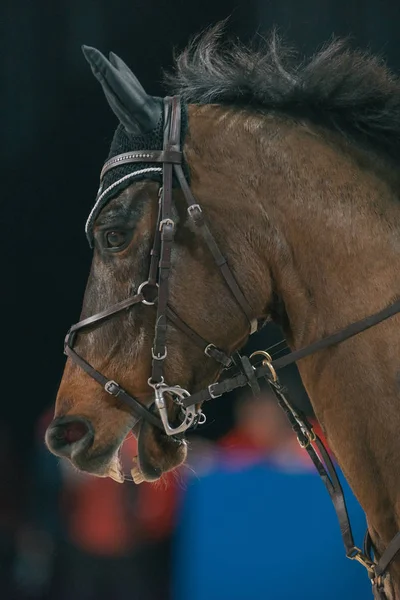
66,433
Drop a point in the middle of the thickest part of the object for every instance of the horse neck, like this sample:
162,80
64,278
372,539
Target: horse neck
341,253
329,220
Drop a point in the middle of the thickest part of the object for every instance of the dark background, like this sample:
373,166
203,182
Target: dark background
56,130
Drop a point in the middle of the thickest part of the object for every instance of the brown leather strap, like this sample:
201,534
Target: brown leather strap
155,251
196,214
112,388
388,556
339,336
142,156
104,315
167,227
325,467
228,385
208,349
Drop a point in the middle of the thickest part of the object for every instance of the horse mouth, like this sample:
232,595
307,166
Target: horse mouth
102,464
157,453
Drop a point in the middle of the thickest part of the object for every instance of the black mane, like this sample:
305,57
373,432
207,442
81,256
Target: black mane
349,90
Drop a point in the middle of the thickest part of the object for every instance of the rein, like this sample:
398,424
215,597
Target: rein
155,291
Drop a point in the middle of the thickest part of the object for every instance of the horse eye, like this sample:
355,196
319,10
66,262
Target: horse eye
115,239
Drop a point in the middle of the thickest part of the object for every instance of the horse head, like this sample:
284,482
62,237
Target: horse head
126,229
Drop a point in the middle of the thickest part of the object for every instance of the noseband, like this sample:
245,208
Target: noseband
155,291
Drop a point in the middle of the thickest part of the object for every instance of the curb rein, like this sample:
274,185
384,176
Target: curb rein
155,291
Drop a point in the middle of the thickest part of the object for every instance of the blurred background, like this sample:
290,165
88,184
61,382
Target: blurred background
247,518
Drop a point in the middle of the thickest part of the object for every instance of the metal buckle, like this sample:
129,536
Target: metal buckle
159,356
192,207
311,437
222,354
166,222
177,393
141,287
109,387
208,348
210,390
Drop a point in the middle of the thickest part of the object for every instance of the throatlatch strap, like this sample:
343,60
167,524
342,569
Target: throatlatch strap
208,349
196,214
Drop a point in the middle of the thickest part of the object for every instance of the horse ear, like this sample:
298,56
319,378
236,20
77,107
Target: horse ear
137,111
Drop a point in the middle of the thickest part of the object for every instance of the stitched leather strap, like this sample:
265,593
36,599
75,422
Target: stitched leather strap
112,388
325,467
387,557
142,156
167,226
100,318
208,349
339,336
196,214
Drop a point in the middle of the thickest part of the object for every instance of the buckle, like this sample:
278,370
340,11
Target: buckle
159,356
112,388
310,436
216,354
166,222
193,207
211,392
208,348
196,214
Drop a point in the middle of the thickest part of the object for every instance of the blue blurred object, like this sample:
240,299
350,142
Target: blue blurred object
264,533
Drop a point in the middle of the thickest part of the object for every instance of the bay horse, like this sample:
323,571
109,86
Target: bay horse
283,204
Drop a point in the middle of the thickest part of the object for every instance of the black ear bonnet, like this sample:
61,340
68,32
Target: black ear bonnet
141,128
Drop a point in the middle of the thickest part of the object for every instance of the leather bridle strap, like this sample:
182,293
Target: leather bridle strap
104,315
196,214
208,349
114,389
326,470
217,389
154,156
390,553
172,113
139,410
340,336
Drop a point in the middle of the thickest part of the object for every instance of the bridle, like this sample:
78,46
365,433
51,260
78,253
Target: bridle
155,291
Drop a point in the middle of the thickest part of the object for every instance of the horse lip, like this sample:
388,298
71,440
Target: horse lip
97,463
